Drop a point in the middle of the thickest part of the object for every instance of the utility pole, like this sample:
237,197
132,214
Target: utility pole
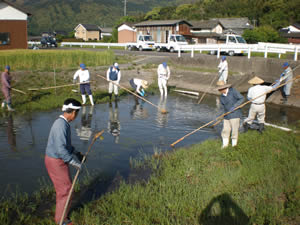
124,7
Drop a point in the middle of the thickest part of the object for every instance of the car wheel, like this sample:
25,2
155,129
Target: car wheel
129,48
212,52
158,49
140,48
172,49
231,53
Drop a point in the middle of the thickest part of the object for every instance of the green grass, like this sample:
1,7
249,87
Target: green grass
47,60
256,182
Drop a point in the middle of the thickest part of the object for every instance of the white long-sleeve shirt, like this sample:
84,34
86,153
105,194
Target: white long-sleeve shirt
84,75
119,75
138,83
223,66
163,72
256,91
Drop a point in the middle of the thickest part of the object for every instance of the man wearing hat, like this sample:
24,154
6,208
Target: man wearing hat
113,75
139,85
230,99
60,154
257,108
286,76
5,81
163,72
223,70
84,79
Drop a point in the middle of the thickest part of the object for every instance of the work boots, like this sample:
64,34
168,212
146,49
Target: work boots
9,108
261,127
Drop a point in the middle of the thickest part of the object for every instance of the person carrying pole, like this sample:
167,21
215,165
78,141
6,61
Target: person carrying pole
60,154
223,70
287,75
139,85
6,88
257,108
230,99
84,79
163,73
113,75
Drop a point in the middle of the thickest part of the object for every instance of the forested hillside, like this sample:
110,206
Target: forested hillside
66,14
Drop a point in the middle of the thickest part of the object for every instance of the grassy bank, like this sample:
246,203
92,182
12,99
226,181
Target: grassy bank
255,183
47,60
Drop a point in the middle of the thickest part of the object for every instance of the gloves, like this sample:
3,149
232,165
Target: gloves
80,156
75,164
142,93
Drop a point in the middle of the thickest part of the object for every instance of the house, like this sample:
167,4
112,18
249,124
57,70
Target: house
206,31
87,32
106,32
161,29
235,25
13,26
126,33
292,33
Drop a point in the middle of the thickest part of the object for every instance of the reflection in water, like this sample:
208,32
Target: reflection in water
11,134
114,125
162,118
84,132
138,111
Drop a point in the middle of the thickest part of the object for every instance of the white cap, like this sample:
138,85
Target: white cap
70,106
116,65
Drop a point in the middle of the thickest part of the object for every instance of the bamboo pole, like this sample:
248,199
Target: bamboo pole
60,86
17,90
238,107
161,110
207,90
97,135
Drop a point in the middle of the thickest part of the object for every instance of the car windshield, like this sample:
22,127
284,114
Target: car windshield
240,40
148,38
180,38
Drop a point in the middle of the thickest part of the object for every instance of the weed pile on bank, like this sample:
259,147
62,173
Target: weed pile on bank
255,183
47,60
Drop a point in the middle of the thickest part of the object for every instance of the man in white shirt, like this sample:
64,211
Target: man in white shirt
223,70
163,73
257,108
113,75
84,79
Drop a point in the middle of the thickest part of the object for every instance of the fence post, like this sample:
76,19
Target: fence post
179,52
279,55
192,53
218,53
249,52
266,51
296,54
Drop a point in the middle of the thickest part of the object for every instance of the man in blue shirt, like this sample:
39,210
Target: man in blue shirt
230,99
60,154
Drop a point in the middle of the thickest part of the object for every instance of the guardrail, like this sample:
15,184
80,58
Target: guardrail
246,48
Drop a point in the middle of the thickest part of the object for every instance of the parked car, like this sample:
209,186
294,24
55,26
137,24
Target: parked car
48,42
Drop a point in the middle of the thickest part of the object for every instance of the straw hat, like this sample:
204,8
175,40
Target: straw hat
145,84
256,80
221,85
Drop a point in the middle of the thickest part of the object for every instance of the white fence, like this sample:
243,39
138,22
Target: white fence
246,48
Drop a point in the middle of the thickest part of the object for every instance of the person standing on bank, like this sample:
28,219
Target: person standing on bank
5,81
60,154
257,108
286,76
84,79
223,70
113,75
229,100
163,72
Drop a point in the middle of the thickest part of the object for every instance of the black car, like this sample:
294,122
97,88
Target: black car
48,41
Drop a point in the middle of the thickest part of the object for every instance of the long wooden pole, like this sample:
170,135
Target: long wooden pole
60,86
238,107
97,135
126,89
207,90
17,90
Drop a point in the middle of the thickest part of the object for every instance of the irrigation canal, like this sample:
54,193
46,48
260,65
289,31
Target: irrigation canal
132,129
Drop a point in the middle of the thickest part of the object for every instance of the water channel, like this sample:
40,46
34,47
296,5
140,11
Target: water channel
132,129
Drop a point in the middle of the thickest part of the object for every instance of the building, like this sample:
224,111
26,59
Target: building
235,25
161,29
88,32
292,33
206,31
126,33
13,26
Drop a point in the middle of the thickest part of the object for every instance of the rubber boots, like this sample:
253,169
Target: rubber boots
91,99
83,99
233,142
3,104
9,108
225,142
261,127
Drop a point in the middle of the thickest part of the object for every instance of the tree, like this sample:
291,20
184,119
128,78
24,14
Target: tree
263,34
